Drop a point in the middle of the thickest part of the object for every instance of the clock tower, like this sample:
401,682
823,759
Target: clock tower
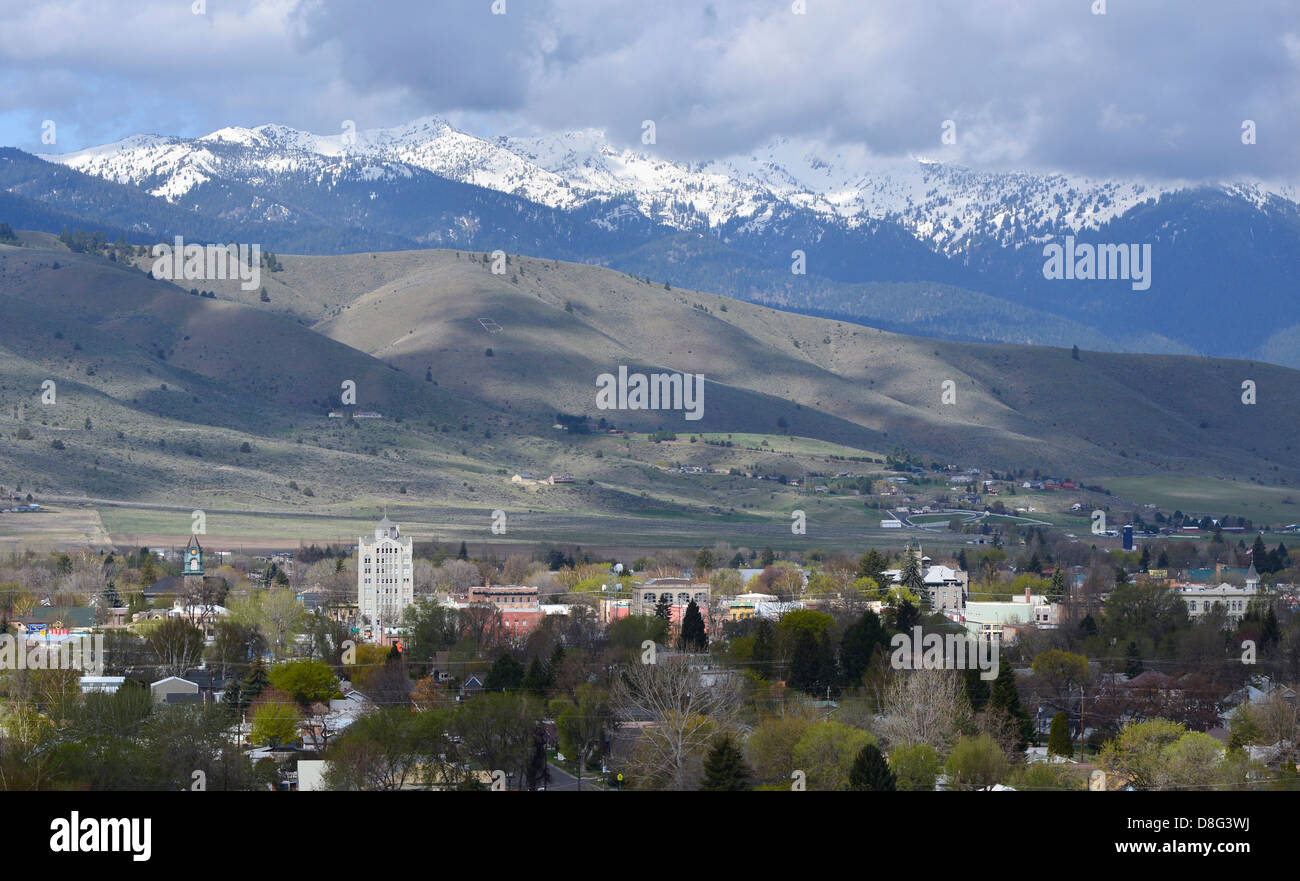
193,563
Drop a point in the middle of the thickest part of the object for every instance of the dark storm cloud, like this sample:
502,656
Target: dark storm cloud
1155,87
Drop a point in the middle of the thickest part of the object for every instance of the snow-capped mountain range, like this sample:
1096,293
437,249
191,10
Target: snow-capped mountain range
917,245
945,206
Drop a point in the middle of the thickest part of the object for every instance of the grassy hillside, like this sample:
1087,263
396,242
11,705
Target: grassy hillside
159,391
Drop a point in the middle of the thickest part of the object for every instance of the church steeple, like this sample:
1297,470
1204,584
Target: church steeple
193,564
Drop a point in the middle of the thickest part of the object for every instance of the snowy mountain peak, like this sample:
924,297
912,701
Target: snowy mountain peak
946,206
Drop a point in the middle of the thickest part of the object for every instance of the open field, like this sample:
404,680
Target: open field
1209,496
828,527
70,526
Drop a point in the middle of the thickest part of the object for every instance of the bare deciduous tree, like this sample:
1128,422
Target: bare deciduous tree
924,706
679,712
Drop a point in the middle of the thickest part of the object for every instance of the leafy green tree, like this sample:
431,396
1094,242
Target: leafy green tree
1061,672
275,719
627,634
827,751
307,681
1138,751
582,722
391,746
770,747
916,766
725,769
870,772
976,763
1046,776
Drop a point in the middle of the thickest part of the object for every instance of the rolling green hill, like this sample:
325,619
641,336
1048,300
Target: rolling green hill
173,385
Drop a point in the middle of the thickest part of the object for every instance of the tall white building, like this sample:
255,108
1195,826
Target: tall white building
384,583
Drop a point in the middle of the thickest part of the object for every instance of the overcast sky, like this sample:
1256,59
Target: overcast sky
1153,87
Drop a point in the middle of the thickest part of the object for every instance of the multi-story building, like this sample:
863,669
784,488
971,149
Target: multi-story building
677,592
1202,598
384,583
518,605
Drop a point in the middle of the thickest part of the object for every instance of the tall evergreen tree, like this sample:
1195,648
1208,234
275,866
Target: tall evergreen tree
977,688
1058,584
463,553
1133,661
256,682
538,772
870,772
536,680
909,576
664,609
555,663
768,557
812,666
506,674
1269,632
233,698
871,565
859,643
694,638
1005,696
764,648
1058,740
725,769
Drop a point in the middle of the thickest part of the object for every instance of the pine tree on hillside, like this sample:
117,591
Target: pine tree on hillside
463,553
725,769
870,772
